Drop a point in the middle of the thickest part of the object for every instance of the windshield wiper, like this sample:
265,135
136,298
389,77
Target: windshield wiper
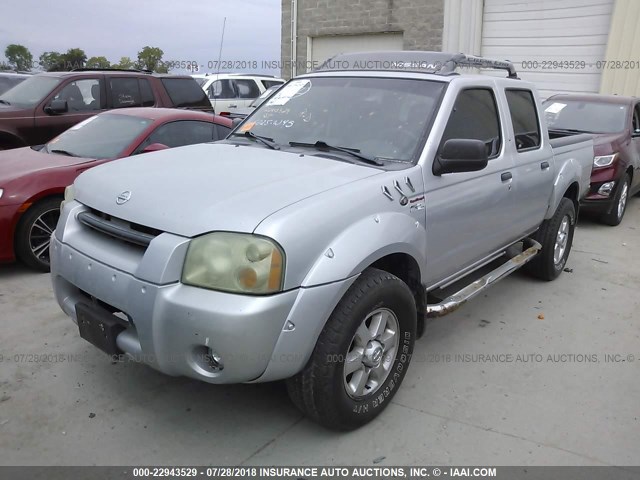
63,152
321,145
5,102
264,140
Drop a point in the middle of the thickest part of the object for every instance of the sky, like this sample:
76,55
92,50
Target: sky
187,30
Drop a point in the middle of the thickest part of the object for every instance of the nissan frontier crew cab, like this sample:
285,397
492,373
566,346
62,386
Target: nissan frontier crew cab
311,245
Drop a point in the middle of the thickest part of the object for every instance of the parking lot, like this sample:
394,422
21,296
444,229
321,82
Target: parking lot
560,387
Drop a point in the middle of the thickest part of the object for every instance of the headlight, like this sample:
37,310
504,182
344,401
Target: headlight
234,262
1,192
605,160
69,196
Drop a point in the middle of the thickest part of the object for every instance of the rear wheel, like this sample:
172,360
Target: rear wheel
556,237
33,235
615,216
361,355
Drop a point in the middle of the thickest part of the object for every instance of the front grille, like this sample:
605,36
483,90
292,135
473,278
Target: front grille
123,230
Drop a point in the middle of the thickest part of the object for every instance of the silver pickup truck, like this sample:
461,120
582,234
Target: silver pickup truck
311,245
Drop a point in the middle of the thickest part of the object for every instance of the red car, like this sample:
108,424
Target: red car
614,121
33,179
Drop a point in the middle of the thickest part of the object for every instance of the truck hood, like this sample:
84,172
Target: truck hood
608,143
19,162
201,188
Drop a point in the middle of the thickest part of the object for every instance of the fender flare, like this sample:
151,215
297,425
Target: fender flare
567,176
365,242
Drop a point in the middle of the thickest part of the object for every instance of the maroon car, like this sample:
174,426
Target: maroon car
33,179
614,122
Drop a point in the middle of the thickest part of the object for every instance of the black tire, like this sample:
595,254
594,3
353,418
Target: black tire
615,216
544,266
320,390
31,235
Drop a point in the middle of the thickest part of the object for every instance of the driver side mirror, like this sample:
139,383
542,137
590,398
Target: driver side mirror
57,106
154,147
461,155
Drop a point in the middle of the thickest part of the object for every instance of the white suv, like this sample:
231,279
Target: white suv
228,91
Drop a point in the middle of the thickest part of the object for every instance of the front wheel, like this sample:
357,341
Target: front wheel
361,356
556,237
614,217
33,235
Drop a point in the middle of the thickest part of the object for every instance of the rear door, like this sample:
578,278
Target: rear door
469,215
223,95
85,97
533,161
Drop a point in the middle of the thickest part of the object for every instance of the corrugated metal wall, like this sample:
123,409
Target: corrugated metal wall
621,74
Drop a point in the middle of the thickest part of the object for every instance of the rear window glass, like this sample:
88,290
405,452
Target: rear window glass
524,117
185,92
125,92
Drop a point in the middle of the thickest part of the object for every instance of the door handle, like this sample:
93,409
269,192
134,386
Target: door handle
233,106
506,176
544,165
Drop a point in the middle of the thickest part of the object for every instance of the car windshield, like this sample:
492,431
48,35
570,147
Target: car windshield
381,118
30,92
585,116
103,136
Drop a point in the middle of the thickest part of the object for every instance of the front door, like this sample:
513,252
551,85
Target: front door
84,97
469,215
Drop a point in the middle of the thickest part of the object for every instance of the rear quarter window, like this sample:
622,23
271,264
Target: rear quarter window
185,92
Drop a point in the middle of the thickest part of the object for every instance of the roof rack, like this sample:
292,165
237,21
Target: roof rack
413,61
136,70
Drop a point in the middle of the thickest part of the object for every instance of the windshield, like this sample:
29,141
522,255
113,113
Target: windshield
103,136
380,117
30,92
585,116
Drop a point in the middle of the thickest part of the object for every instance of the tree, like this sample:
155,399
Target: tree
150,58
74,58
125,63
51,61
19,57
98,62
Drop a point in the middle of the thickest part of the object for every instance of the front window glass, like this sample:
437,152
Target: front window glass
81,95
380,117
102,136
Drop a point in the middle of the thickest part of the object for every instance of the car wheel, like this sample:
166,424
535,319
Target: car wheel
33,235
615,216
556,237
361,356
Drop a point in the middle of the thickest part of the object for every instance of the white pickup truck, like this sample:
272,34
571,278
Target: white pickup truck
312,244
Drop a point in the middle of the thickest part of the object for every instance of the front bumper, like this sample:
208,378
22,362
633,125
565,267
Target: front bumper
171,326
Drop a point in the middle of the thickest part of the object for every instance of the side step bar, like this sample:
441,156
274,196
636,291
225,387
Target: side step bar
455,301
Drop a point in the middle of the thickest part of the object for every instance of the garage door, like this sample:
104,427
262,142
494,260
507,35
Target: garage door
541,32
323,48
